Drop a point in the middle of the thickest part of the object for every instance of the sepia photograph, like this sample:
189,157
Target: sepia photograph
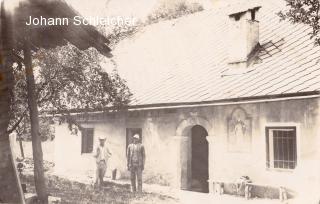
160,102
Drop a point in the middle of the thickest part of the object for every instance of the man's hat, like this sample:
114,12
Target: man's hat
102,137
136,136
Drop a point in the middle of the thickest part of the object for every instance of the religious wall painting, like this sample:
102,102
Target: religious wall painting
239,131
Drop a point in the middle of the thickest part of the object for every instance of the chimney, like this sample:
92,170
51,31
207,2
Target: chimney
243,36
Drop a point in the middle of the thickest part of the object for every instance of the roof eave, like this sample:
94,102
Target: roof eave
231,101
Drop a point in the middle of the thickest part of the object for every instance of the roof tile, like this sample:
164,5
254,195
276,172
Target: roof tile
185,60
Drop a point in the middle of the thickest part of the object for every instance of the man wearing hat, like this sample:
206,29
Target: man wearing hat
135,162
102,154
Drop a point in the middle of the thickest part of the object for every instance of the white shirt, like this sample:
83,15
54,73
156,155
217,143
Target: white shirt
102,153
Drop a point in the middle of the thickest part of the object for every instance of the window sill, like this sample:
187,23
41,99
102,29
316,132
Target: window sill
280,170
89,153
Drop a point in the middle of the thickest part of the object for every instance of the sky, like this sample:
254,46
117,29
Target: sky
128,8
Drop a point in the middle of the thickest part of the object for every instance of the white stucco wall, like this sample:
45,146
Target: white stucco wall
162,144
68,157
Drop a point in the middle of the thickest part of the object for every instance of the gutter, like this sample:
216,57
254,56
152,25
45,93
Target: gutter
223,102
132,108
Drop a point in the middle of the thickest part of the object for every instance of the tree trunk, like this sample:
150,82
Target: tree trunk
10,190
9,185
34,119
21,146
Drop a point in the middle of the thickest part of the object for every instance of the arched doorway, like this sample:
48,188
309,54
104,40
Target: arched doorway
191,135
199,159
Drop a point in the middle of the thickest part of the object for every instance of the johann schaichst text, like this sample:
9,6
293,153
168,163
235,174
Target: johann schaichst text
79,20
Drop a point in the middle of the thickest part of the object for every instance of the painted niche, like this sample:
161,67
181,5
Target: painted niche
239,131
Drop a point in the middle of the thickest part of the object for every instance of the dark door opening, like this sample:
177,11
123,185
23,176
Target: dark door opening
199,159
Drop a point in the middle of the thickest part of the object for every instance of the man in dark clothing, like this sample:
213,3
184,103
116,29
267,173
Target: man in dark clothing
135,162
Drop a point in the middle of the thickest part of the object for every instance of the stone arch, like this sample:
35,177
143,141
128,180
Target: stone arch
185,125
184,138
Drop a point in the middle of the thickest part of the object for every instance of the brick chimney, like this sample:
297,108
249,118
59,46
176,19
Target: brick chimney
243,36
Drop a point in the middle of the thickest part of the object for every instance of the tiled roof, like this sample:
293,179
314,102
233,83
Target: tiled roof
186,59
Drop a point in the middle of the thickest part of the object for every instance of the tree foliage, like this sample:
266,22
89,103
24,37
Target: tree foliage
66,79
73,79
119,32
304,11
173,9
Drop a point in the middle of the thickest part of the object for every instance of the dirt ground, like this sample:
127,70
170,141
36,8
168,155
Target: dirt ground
78,193
72,192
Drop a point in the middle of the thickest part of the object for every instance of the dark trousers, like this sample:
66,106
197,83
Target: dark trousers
136,174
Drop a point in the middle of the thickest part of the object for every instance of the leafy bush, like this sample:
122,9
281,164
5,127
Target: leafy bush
120,32
171,11
45,127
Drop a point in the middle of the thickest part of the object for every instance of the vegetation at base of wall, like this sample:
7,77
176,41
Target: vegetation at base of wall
28,165
157,179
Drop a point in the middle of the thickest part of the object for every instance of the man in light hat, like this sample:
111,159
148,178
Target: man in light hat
135,162
102,154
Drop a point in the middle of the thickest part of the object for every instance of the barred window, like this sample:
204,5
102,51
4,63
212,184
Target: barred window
281,147
87,140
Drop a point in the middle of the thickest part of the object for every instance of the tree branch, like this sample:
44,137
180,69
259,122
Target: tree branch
17,123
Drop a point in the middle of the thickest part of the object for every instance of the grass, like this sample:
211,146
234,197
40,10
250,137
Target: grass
78,193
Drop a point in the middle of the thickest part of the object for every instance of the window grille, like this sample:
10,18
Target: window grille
281,147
